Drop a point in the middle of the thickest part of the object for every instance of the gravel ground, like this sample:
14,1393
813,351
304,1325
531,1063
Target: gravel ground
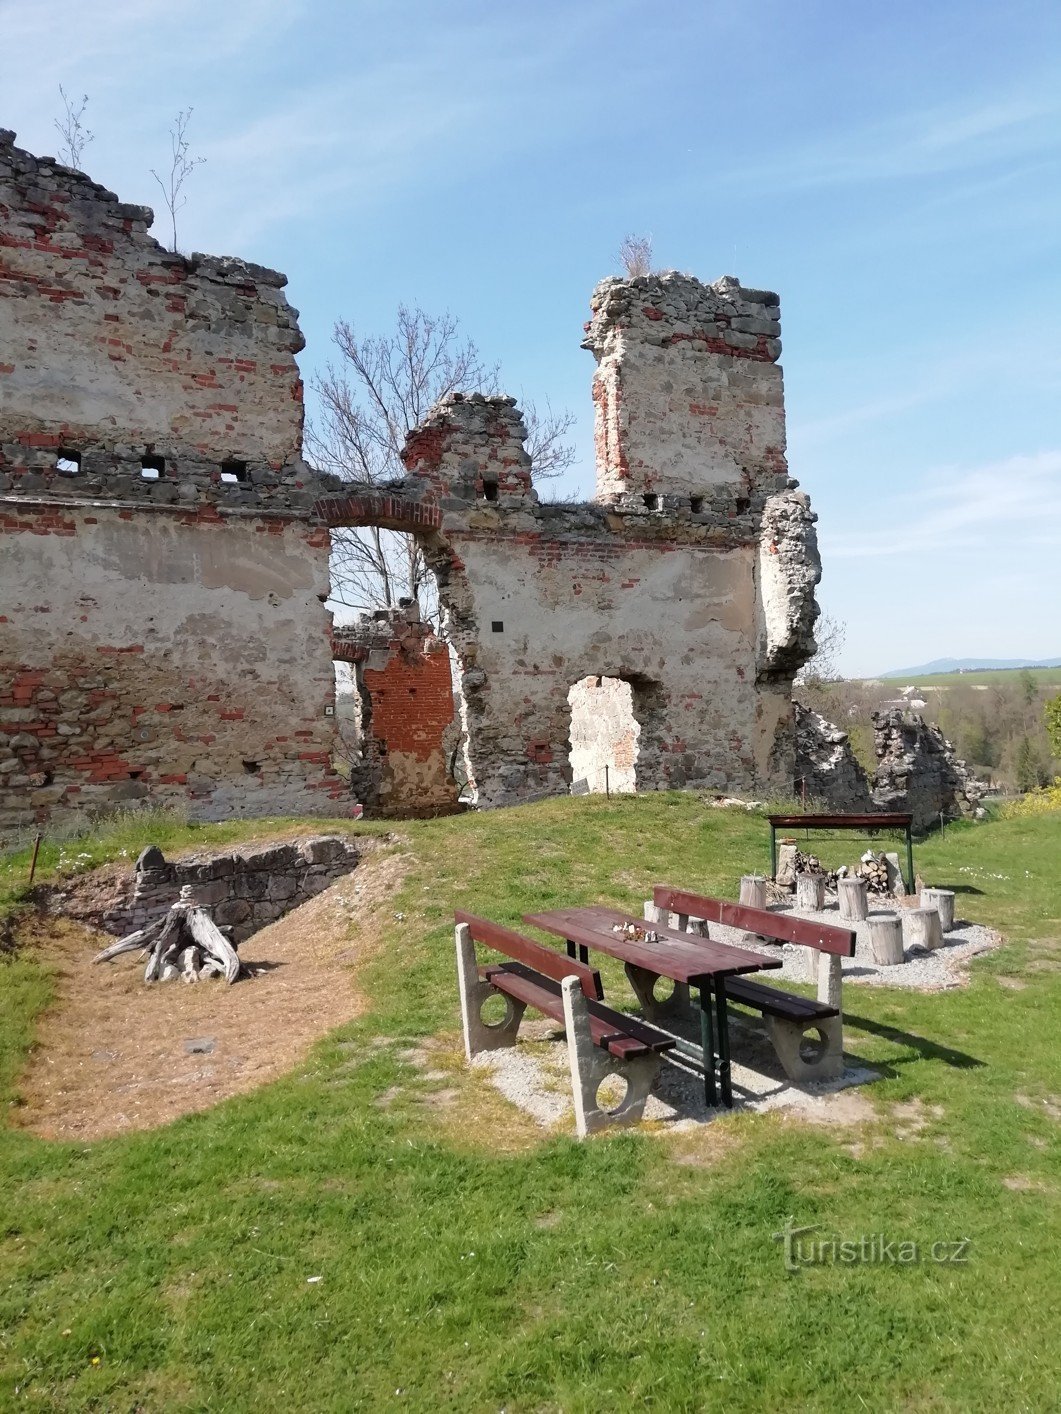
534,1076
930,972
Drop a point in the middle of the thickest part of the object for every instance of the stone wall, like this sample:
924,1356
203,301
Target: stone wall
688,394
165,547
244,890
705,607
826,766
919,773
917,770
403,681
162,633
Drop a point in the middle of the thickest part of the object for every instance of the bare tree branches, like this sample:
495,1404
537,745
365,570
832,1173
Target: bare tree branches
635,256
381,389
181,168
72,130
830,634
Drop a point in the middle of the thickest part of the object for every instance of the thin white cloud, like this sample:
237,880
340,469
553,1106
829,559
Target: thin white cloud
1008,505
925,143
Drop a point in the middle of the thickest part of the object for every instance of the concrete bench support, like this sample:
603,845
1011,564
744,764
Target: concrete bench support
591,1066
478,1034
812,1051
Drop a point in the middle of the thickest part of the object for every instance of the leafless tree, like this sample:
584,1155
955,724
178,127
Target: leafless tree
635,256
382,387
71,128
182,166
830,634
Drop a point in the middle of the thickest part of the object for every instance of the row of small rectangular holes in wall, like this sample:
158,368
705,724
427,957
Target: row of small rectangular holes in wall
68,463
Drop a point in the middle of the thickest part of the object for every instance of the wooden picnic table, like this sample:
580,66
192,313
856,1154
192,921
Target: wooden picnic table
702,963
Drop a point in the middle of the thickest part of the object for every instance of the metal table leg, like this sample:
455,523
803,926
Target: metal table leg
722,1027
707,1044
582,954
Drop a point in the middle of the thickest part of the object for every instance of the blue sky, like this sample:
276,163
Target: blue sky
891,169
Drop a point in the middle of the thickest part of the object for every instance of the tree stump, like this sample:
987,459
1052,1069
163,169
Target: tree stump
810,891
185,943
922,928
942,900
753,891
886,940
854,903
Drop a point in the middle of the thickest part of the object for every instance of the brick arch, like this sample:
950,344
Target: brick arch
380,508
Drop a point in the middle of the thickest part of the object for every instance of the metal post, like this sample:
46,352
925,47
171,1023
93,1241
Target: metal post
722,1026
910,857
36,851
707,1046
773,851
607,786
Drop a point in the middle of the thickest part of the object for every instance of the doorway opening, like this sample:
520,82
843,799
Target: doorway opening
604,737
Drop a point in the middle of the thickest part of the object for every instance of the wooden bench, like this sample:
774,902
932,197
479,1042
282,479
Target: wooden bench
791,1020
600,1042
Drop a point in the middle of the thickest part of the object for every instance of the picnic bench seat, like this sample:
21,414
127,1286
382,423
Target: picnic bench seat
791,1020
601,1042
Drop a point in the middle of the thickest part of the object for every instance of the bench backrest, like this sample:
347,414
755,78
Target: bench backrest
823,936
545,960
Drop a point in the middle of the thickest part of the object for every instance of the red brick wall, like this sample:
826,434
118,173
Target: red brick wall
412,709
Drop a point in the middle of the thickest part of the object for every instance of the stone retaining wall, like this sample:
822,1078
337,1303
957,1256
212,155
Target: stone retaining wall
244,891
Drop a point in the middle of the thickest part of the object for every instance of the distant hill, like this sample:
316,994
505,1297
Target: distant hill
969,665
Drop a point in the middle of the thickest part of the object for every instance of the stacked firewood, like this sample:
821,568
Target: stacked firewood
186,943
874,869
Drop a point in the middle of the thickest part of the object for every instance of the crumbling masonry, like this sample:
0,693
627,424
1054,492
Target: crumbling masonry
164,566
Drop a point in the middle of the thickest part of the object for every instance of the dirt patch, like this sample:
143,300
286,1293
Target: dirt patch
914,1117
113,1054
1021,1183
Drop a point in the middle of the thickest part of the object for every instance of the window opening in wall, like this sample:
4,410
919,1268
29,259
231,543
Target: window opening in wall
696,505
497,626
68,463
233,471
489,490
743,504
651,501
151,468
604,737
252,768
135,775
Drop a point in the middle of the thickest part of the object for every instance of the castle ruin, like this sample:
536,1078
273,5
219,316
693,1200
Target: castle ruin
165,547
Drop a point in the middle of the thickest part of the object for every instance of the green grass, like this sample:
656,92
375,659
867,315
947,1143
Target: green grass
466,1265
997,677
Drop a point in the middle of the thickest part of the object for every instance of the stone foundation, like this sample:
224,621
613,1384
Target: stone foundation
244,890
